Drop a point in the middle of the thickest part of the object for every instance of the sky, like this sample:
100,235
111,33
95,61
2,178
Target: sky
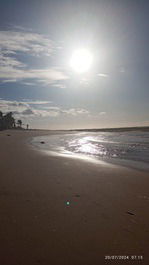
37,82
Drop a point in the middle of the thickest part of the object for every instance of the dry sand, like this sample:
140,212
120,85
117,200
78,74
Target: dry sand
108,211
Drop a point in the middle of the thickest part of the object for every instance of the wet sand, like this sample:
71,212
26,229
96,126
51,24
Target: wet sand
63,211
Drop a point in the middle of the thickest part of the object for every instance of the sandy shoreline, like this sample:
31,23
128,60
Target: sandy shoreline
107,212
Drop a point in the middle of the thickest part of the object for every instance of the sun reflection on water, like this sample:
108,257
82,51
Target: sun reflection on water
87,145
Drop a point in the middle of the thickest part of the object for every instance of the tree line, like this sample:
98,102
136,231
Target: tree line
7,121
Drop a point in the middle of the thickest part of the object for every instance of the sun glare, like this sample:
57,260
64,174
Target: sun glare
81,60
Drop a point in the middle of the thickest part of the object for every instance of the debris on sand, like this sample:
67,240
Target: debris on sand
130,213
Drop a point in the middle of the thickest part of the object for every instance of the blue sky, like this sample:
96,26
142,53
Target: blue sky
37,40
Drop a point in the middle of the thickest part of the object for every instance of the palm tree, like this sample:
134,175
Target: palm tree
8,120
19,122
1,120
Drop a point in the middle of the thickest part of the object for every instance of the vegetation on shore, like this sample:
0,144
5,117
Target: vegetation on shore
7,121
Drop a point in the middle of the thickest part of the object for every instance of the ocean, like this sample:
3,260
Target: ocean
129,149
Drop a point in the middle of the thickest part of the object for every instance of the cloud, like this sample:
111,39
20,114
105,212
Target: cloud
46,113
25,83
75,111
24,112
84,81
52,108
13,106
8,81
102,113
44,76
12,69
6,61
24,109
102,75
59,85
39,102
33,43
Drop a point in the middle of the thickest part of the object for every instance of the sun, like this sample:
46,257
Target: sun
81,60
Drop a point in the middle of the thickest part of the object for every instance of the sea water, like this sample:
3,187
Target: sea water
124,148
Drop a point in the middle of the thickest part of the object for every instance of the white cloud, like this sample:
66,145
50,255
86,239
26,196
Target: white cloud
39,102
6,61
59,85
33,43
84,81
27,83
102,75
102,113
13,106
46,113
14,43
75,111
52,108
9,81
22,109
44,76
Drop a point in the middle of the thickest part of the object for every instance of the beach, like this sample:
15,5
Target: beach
60,210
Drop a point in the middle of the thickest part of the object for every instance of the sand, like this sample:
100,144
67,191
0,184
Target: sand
58,210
